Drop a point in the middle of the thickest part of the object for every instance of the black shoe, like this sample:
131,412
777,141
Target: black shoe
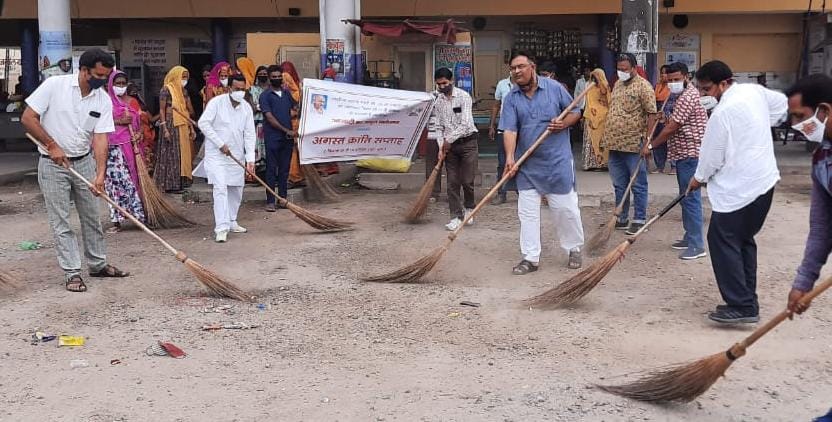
634,228
622,225
726,315
499,199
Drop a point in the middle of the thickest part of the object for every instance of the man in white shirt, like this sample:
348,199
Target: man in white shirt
456,129
228,125
70,115
580,86
501,90
738,165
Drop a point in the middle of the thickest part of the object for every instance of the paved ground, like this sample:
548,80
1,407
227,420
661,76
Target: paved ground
328,347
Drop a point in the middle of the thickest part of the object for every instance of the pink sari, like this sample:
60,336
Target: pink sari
122,136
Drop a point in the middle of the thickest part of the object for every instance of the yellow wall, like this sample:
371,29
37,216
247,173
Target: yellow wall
744,42
26,9
263,47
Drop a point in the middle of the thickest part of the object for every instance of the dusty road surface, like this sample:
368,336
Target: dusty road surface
327,347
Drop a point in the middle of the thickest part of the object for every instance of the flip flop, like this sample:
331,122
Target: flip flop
110,272
77,284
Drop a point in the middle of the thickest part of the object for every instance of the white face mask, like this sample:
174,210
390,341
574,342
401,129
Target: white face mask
708,102
238,96
184,82
119,90
812,128
624,76
676,87
224,81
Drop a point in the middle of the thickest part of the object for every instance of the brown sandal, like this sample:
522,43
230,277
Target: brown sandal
524,267
76,284
110,272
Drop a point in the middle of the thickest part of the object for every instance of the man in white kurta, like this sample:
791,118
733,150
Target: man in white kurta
228,125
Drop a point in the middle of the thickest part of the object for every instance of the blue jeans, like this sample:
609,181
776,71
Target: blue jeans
622,165
278,160
692,219
501,164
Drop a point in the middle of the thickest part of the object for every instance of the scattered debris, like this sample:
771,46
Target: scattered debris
226,309
70,341
115,362
454,314
231,326
165,349
40,337
78,363
28,245
472,304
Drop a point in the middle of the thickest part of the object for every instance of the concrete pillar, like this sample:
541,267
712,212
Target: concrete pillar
55,52
220,34
29,56
640,32
341,42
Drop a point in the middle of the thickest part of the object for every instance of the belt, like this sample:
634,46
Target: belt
467,138
69,158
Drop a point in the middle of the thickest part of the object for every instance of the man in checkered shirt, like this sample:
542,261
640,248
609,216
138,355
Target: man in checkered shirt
683,132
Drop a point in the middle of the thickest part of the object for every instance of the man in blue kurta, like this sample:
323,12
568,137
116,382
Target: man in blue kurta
533,106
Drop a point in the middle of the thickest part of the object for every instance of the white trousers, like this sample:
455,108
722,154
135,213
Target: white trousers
227,201
567,217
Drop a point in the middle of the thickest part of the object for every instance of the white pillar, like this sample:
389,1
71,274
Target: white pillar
340,41
55,49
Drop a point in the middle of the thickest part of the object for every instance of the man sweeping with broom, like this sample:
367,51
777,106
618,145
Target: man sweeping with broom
228,125
528,110
71,117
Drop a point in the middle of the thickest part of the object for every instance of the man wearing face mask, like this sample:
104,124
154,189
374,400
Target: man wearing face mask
632,109
458,136
228,125
810,105
277,104
71,116
683,135
737,163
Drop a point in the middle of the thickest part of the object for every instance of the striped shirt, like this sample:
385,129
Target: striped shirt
692,117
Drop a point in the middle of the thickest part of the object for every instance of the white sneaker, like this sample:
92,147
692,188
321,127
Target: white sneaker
221,236
453,225
236,228
468,212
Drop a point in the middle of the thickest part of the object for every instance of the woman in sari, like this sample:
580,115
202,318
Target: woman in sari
217,82
291,82
122,178
595,115
148,133
175,153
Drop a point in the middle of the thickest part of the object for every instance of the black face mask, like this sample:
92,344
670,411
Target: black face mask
277,82
96,83
262,79
447,89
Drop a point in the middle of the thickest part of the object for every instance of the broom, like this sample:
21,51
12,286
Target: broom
420,206
415,271
599,240
315,181
211,281
7,280
580,284
686,382
314,220
160,214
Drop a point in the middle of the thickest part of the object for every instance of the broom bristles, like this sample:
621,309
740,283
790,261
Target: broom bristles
314,180
214,283
7,281
159,213
420,206
681,382
579,285
317,221
599,240
413,272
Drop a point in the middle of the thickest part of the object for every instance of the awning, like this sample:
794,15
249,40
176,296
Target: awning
445,30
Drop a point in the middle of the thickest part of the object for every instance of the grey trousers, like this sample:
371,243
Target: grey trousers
59,186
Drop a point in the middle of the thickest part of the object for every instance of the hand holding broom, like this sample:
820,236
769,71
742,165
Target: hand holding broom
211,281
686,382
581,284
415,271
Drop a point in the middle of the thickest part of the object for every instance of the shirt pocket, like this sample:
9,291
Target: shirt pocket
89,122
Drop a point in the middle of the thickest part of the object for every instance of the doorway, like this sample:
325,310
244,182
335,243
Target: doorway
195,62
413,68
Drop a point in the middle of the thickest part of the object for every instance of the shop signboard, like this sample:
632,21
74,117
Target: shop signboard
459,58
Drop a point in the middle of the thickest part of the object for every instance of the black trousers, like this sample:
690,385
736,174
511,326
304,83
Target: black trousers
461,166
278,159
734,252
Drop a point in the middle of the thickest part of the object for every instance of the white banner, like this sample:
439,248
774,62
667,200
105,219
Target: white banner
345,122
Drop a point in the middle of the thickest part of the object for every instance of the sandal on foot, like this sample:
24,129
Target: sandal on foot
575,261
524,267
109,271
75,284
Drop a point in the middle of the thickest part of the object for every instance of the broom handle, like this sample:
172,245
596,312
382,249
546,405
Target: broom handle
281,200
520,161
649,137
784,314
656,217
113,203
